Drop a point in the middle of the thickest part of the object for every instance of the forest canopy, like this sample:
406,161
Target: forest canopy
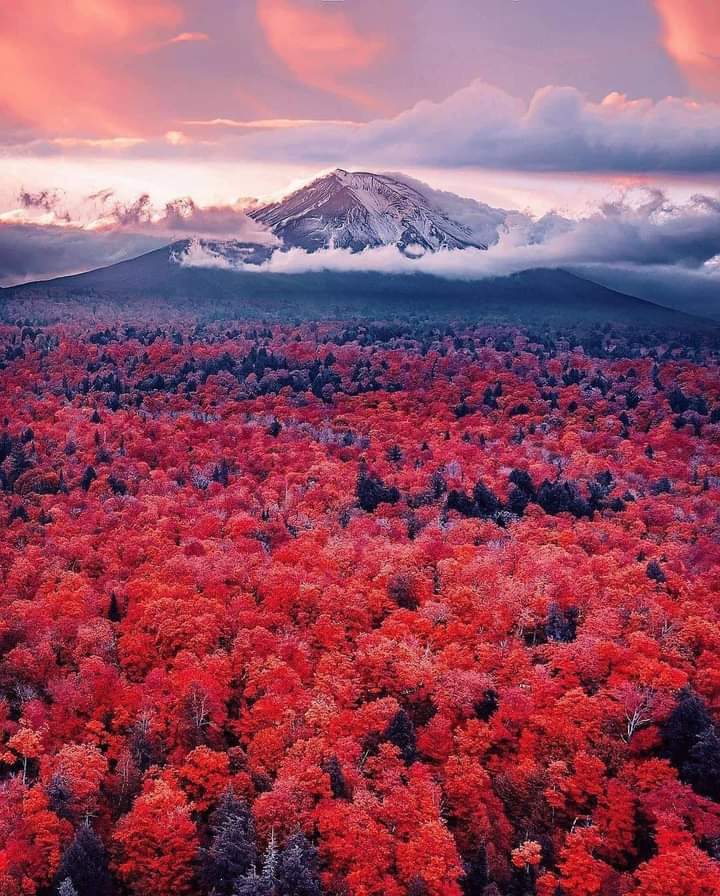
349,608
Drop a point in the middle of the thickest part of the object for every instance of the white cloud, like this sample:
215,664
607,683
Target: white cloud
558,130
482,126
43,238
181,218
642,228
198,254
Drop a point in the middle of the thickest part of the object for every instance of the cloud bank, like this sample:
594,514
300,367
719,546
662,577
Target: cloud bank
640,242
480,126
559,129
44,238
642,227
180,218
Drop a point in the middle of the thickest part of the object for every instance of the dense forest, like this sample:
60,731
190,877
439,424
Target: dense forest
358,609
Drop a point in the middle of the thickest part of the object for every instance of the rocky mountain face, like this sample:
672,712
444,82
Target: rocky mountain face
357,210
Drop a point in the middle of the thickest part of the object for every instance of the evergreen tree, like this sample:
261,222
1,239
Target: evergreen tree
702,768
89,476
654,572
485,707
221,473
85,864
270,859
518,501
401,589
114,609
297,869
682,728
485,501
60,796
254,884
561,625
18,462
462,503
5,446
291,871
475,879
232,852
338,784
401,732
372,491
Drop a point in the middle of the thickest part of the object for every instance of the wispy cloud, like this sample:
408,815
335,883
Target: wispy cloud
692,37
267,123
189,37
184,37
65,64
43,199
111,143
321,47
179,218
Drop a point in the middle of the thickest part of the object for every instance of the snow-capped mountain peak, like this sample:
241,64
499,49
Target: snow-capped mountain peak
358,209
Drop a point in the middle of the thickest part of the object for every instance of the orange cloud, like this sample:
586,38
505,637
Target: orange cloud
189,37
185,37
269,124
61,60
321,48
692,37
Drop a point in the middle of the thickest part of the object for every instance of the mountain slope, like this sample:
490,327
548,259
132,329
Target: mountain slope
690,291
355,210
536,296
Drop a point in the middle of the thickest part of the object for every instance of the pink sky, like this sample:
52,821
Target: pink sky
109,68
220,99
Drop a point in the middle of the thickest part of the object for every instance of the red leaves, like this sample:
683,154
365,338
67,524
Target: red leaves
205,776
527,855
156,842
682,870
31,837
425,688
82,769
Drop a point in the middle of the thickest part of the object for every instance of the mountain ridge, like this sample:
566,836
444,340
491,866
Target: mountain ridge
536,296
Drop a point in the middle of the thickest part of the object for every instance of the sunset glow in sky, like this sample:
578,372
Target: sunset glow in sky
523,104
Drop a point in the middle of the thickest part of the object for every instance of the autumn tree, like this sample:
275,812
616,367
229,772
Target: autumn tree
155,844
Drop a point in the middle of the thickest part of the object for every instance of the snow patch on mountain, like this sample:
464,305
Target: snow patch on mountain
485,222
360,210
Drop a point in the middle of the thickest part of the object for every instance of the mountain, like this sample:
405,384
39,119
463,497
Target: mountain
349,210
535,296
356,210
684,290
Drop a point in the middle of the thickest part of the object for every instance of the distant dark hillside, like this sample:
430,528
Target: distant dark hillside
685,291
551,296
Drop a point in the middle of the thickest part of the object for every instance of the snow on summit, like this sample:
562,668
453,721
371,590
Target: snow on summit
357,209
